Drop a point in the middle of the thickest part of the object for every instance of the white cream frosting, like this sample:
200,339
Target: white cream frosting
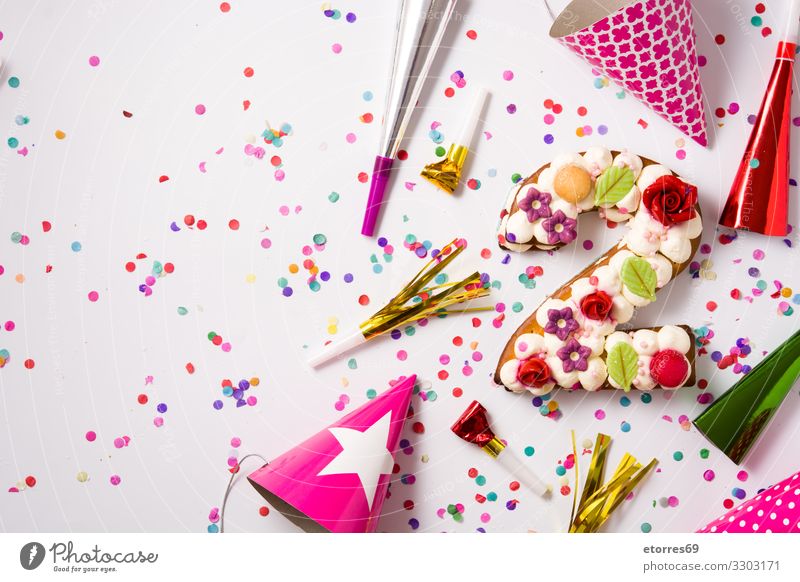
552,343
539,233
587,203
607,279
544,183
645,342
596,159
614,215
630,160
599,328
517,248
634,299
675,338
595,375
581,288
565,159
663,268
626,206
617,337
562,378
619,258
621,309
645,234
693,227
568,209
519,225
508,376
528,344
595,342
661,246
643,380
650,174
544,389
676,248
511,197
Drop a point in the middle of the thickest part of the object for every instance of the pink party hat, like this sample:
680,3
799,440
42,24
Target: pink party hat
776,510
647,47
336,480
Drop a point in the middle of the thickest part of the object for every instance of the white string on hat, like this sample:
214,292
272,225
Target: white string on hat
230,487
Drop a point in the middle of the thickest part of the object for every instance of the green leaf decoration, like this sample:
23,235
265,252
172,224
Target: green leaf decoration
613,185
623,364
639,277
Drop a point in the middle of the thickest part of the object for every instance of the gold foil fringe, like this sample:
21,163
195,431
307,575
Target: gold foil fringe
418,299
599,501
446,173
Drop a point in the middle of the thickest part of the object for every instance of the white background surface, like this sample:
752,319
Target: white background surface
100,186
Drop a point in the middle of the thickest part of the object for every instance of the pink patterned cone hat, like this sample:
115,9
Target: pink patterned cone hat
336,480
776,510
647,47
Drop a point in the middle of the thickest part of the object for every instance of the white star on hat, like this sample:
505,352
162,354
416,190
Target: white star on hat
364,454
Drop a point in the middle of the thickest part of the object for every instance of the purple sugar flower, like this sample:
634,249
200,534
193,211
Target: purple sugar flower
535,204
560,322
560,228
574,356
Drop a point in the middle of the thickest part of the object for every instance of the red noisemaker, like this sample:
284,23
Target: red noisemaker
759,198
473,427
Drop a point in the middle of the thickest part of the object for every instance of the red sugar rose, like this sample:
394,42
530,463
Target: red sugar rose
596,306
670,200
534,372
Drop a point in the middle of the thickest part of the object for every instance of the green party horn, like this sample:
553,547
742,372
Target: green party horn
735,421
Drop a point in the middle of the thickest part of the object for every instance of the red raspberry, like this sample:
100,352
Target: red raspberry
670,368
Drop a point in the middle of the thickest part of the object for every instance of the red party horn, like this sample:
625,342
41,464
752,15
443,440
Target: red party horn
759,198
473,427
